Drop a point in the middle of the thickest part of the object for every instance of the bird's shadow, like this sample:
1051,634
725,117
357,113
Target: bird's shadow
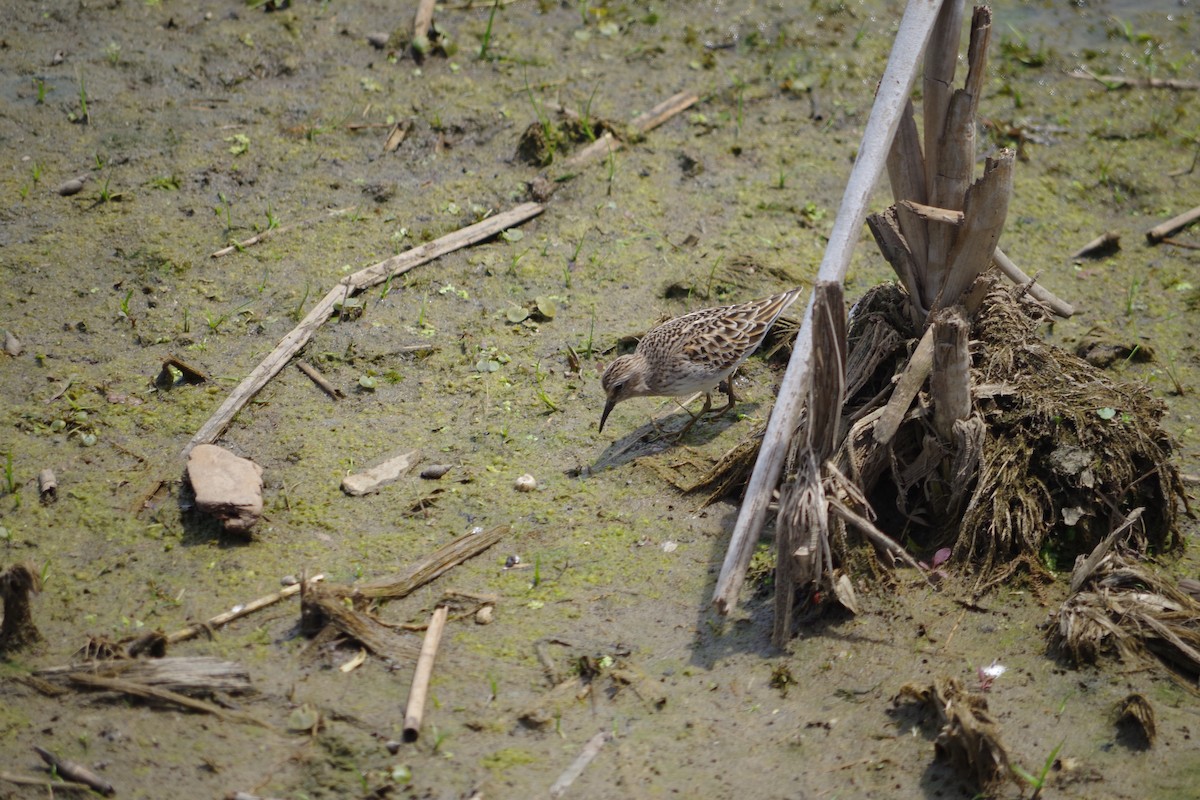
662,434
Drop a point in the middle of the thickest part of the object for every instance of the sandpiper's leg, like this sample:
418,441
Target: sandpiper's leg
702,412
727,388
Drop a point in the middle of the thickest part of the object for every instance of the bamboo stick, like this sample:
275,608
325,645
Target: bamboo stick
415,709
890,100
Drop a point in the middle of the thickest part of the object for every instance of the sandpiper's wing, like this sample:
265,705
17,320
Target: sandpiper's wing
728,334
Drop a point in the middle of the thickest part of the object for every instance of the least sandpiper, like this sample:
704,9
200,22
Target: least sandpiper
693,353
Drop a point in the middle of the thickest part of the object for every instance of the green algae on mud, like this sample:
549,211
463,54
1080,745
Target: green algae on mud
783,102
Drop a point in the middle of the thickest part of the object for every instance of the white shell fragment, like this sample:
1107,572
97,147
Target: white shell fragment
525,483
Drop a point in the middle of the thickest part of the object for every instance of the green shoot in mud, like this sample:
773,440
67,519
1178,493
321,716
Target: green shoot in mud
272,220
82,117
1038,781
591,337
112,51
123,310
215,323
711,274
298,312
540,378
40,85
226,210
585,118
487,32
1131,296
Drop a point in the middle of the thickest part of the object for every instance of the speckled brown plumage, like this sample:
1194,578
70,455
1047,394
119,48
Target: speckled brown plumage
693,353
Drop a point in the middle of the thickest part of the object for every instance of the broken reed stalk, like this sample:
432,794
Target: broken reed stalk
276,231
237,612
347,287
440,561
423,19
415,710
890,101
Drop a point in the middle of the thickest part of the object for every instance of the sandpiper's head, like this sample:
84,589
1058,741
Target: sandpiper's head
624,378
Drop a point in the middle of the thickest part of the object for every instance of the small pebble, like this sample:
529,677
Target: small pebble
12,345
392,746
435,471
288,580
73,186
512,561
485,615
525,483
377,40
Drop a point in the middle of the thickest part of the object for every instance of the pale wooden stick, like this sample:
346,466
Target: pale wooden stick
377,273
269,232
316,377
22,780
1040,293
240,611
1160,232
423,19
571,773
893,94
420,685
648,121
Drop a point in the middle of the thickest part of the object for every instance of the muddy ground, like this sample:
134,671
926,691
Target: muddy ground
198,124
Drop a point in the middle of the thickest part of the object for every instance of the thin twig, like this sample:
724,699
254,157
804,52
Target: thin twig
415,709
316,377
237,612
589,752
269,232
377,273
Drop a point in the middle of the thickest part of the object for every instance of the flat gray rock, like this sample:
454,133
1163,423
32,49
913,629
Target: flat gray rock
227,486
